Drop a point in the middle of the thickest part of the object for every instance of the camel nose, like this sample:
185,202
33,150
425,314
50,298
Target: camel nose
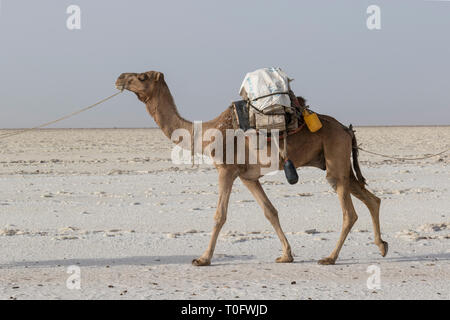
121,77
120,82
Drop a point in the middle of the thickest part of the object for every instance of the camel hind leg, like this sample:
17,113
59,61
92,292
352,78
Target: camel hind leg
337,151
373,204
342,188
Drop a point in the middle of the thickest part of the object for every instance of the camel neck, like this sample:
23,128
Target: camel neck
163,110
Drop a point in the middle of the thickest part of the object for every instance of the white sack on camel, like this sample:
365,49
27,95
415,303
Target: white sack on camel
263,82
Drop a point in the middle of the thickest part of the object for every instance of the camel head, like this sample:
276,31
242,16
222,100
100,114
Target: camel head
142,84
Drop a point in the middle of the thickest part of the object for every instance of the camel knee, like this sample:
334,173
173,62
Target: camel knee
377,205
333,182
370,196
271,214
220,219
373,203
350,220
220,222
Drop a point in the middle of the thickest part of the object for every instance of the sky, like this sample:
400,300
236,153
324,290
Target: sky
397,75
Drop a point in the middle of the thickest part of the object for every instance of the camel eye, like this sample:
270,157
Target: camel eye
142,77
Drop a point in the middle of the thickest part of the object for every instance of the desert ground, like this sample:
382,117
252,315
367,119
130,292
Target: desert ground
111,202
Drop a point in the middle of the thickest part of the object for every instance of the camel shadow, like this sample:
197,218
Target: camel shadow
419,258
221,260
124,261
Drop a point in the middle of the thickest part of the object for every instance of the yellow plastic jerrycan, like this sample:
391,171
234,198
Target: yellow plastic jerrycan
312,121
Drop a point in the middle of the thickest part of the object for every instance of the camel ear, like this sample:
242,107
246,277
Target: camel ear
159,76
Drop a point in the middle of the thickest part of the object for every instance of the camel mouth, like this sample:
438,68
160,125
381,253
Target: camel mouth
120,87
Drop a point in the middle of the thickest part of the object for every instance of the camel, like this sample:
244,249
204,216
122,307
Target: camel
329,149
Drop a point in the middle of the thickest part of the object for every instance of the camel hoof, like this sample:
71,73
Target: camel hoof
200,262
327,261
284,259
384,247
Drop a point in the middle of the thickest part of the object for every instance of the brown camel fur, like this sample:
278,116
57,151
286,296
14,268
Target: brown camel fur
329,149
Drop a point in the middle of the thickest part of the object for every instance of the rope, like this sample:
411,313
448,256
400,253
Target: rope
398,158
7,135
268,95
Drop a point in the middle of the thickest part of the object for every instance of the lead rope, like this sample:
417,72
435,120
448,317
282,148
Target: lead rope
10,134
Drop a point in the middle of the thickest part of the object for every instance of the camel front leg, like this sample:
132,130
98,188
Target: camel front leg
272,215
226,179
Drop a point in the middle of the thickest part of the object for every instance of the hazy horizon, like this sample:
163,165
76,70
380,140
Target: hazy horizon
396,76
157,128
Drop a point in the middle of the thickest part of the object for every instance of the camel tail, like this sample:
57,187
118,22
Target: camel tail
361,179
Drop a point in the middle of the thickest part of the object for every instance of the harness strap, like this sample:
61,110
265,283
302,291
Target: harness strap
289,133
270,94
